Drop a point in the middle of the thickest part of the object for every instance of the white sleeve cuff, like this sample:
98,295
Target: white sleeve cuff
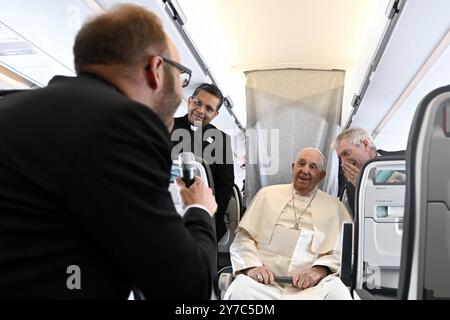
195,206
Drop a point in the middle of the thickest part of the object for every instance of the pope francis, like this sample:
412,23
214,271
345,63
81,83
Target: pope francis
290,230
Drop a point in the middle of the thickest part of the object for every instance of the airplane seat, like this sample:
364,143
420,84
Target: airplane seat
203,171
425,259
232,218
224,280
378,225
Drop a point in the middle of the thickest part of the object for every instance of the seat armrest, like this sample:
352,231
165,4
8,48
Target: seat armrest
225,279
363,295
346,254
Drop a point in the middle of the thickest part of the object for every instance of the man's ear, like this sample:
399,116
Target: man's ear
322,175
293,164
365,143
154,72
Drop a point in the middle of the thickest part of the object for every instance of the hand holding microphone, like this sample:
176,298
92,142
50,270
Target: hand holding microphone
187,165
191,188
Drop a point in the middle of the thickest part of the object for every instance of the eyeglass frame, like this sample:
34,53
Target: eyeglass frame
202,103
180,67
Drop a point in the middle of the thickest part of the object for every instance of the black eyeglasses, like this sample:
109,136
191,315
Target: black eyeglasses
185,73
199,103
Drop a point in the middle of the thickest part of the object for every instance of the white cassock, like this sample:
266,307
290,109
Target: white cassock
267,236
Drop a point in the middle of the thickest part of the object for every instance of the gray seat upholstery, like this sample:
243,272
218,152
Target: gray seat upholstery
380,209
233,216
232,219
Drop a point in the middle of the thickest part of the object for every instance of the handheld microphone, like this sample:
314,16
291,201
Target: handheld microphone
187,165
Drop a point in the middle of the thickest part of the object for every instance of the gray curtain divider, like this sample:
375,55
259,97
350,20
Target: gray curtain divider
288,110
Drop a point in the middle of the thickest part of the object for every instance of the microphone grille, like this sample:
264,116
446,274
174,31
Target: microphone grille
186,157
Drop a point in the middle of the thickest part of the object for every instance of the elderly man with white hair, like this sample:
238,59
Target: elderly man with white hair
291,230
354,147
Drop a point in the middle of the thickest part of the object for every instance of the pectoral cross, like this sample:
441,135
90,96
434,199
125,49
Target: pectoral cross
296,227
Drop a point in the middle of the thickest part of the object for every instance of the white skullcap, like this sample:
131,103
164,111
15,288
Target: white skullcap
318,151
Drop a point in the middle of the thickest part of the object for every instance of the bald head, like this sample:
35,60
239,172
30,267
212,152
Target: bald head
128,47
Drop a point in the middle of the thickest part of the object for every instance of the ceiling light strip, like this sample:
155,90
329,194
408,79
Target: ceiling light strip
14,79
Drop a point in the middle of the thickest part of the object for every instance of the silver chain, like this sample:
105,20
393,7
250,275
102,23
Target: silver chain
297,220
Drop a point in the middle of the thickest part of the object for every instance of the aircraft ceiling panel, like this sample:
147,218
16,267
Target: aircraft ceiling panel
186,57
395,135
42,75
37,59
223,120
50,26
420,28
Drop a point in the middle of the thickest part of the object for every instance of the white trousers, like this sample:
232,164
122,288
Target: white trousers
245,288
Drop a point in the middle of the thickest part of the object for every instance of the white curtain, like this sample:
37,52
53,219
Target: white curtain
288,110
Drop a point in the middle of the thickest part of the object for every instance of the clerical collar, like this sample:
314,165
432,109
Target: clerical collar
196,125
309,195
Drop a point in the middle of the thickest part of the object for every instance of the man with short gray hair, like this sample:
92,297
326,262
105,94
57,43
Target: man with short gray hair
354,147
